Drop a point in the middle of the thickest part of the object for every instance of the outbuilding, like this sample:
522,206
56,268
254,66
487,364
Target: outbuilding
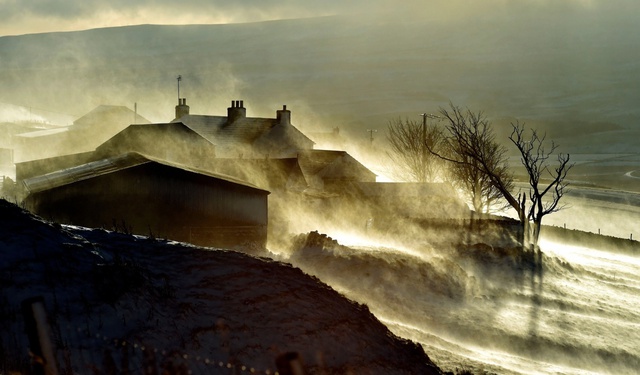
143,195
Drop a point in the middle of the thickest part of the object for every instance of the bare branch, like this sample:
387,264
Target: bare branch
409,143
535,158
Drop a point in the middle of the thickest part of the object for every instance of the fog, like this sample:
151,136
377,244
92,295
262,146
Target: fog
471,308
571,60
568,68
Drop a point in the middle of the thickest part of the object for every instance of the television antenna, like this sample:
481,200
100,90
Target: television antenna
179,78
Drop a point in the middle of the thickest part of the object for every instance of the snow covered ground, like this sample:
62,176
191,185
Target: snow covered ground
127,302
572,310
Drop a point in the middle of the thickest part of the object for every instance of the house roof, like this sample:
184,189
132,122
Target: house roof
110,165
245,130
331,164
151,132
111,115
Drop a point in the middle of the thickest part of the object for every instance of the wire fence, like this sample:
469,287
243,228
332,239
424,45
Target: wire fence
67,350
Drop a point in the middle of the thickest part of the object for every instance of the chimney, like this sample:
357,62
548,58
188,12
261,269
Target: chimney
236,111
283,116
182,109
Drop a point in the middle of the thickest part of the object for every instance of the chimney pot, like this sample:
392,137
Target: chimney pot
182,109
283,116
236,111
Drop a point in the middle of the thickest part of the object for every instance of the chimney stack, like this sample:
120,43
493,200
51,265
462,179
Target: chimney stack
236,111
283,116
182,109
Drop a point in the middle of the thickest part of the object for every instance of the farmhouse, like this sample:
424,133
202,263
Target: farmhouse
205,179
149,196
172,142
239,136
332,171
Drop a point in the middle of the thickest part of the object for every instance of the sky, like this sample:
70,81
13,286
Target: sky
19,17
35,16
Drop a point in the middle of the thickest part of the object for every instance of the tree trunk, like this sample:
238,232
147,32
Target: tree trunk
535,232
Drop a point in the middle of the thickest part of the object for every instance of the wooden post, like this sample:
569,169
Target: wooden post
38,332
290,363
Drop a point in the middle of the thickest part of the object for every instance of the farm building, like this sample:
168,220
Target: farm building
332,171
239,136
302,170
86,133
149,196
174,142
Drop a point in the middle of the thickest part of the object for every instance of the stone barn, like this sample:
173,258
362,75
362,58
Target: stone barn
147,196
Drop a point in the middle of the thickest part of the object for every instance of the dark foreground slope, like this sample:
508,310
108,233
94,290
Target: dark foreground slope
118,301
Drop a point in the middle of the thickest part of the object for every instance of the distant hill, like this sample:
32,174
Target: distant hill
564,67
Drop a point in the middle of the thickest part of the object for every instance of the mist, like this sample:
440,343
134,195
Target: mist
473,305
529,60
463,292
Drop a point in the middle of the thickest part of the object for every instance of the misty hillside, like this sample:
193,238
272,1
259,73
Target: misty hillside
557,68
115,300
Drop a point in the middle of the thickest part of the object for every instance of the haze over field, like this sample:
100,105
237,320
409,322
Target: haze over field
568,64
31,16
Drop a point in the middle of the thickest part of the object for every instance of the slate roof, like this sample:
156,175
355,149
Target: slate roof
43,133
332,164
151,132
110,165
246,135
110,115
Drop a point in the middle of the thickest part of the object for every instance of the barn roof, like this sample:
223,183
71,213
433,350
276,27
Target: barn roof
110,165
43,133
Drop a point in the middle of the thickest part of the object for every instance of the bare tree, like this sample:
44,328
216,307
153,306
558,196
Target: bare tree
478,164
472,145
410,144
535,159
477,188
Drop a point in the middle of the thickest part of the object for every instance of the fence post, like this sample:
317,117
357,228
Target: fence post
290,363
38,332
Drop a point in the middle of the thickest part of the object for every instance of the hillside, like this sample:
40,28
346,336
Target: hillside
569,69
124,301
